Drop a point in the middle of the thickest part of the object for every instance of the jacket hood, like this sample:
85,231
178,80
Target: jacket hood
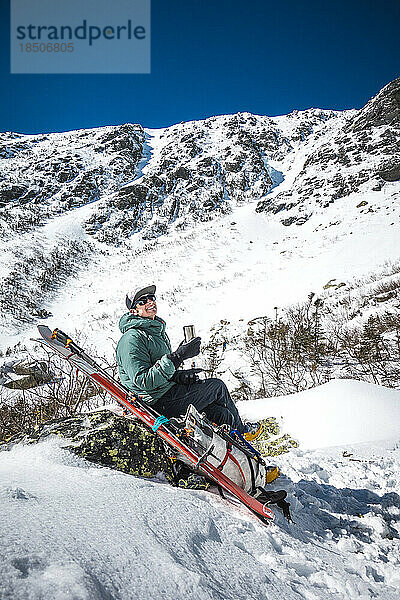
130,321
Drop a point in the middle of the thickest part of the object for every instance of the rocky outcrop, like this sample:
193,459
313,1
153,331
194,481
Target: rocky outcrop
383,109
191,179
25,374
202,169
361,152
106,439
127,445
47,175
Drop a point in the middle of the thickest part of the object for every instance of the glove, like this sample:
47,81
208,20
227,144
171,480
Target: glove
185,351
186,376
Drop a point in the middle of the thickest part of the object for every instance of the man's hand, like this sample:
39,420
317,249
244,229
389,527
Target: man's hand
185,351
186,376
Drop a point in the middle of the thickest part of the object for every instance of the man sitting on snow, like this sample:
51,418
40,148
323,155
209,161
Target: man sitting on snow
149,368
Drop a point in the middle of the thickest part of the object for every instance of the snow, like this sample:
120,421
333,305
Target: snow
71,529
263,265
205,273
338,412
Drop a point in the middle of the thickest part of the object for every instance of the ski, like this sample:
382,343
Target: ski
64,347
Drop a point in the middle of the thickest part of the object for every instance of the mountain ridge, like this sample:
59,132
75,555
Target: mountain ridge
67,199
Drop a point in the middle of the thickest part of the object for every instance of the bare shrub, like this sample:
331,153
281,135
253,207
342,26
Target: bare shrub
288,354
68,393
23,290
213,352
372,352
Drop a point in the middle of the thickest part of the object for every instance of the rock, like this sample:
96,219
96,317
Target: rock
25,374
66,173
383,109
85,189
269,444
263,205
11,193
391,174
289,221
182,173
347,161
108,440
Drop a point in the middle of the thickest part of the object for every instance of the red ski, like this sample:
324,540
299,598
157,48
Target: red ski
62,345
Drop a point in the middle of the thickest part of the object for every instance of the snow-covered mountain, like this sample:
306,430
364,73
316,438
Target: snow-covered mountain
109,200
230,217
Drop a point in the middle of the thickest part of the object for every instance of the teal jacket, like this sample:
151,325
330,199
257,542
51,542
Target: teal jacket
142,360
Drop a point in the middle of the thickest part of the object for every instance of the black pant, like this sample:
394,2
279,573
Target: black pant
210,396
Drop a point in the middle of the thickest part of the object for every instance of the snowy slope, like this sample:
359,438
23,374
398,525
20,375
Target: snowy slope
284,204
71,530
201,278
338,412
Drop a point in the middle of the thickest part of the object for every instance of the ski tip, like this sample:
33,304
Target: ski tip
44,331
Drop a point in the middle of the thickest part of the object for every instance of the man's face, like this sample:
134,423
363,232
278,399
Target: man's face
146,307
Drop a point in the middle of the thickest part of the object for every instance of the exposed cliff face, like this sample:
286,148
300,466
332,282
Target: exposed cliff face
44,180
383,109
46,175
361,152
186,173
202,169
383,113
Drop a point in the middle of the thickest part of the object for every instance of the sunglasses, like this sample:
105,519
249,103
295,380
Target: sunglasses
145,299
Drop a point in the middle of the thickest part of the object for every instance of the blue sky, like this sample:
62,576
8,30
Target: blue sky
218,57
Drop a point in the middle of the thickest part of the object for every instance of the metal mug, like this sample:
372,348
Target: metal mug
189,332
